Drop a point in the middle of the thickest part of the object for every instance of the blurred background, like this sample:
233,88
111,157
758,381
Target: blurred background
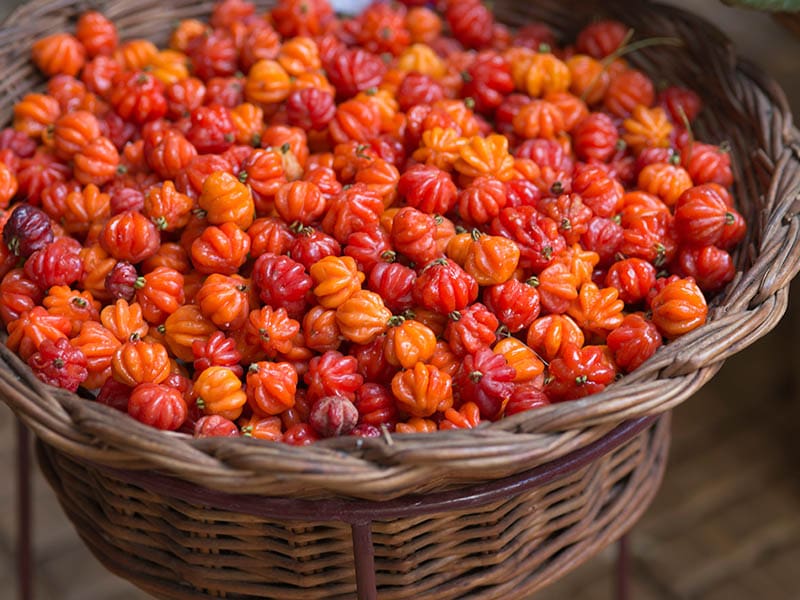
726,522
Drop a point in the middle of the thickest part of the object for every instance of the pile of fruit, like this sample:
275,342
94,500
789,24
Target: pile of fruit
295,225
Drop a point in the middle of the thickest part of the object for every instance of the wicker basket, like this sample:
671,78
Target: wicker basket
180,534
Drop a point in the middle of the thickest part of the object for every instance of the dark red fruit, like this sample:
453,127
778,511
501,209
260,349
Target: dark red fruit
525,396
58,263
27,230
217,350
215,426
486,379
114,394
59,364
333,416
212,130
120,281
310,108
282,283
633,342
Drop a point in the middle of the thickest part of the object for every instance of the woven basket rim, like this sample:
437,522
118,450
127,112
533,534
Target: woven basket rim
394,465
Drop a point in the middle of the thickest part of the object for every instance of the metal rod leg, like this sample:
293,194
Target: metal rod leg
364,555
24,571
623,569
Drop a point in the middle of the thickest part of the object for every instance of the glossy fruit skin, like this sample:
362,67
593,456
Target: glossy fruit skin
470,23
32,327
353,70
486,379
362,317
627,90
273,188
124,320
58,53
579,372
217,350
138,362
160,293
97,162
515,303
78,307
157,405
409,342
633,278
413,235
488,81
526,365
596,137
492,259
183,328
137,97
351,210
647,128
711,267
212,130
536,235
395,284
482,200
167,207
221,249
664,180
114,395
336,278
466,417
59,364
218,391
597,310
679,308
702,216
224,301
332,374
226,200
422,390
633,342
602,193
428,189
549,335
312,245
282,283
272,330
375,406
471,329
310,108
369,247
443,287
271,387
130,236
119,283
215,426
73,131
270,235
27,230
57,263
706,163
525,397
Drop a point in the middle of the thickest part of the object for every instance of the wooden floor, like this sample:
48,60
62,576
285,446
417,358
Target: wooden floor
724,526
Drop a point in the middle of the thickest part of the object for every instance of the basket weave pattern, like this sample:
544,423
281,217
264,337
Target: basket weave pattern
179,549
510,547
